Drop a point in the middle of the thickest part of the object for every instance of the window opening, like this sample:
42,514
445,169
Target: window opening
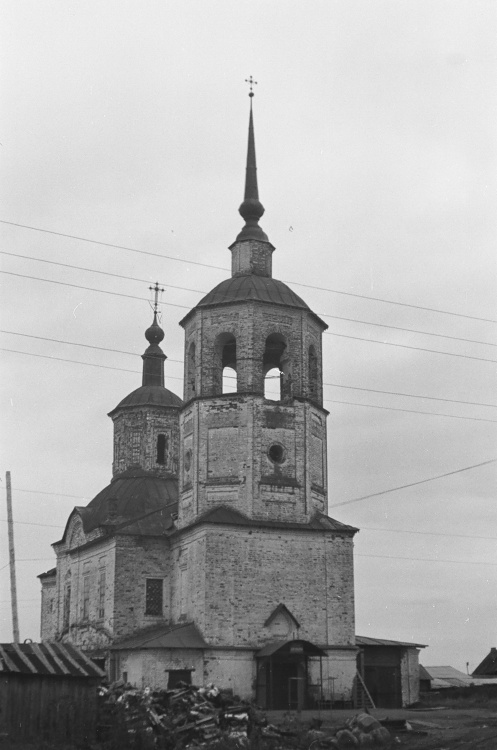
229,380
86,596
190,385
179,675
272,384
67,605
101,593
276,368
225,373
161,449
276,453
313,373
153,596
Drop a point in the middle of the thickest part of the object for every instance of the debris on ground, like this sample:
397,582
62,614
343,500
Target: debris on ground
183,717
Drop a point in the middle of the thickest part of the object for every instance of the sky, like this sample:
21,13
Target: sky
125,123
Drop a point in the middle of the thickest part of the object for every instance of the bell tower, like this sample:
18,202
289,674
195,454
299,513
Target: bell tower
253,428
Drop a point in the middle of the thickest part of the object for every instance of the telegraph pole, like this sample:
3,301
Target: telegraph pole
12,561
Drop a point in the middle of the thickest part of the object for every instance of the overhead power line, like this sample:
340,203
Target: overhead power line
186,307
428,559
413,484
327,401
362,528
409,411
407,346
179,361
203,291
225,268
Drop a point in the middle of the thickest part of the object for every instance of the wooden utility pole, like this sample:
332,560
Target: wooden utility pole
12,561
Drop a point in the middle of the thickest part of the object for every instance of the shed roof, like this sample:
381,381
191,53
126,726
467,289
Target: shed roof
362,640
488,666
54,659
423,673
446,676
175,636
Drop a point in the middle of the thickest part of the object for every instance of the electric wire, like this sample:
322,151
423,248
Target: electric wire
413,484
186,307
326,401
179,361
203,291
225,268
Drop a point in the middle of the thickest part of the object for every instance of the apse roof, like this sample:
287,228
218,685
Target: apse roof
149,395
144,503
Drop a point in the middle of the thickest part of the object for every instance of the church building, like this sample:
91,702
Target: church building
210,556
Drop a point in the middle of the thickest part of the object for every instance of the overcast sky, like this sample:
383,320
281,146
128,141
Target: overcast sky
126,123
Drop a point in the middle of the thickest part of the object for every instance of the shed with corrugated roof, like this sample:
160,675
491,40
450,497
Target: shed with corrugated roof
48,693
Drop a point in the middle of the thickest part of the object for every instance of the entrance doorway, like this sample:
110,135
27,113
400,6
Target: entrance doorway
283,681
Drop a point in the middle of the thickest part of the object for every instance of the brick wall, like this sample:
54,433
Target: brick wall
136,432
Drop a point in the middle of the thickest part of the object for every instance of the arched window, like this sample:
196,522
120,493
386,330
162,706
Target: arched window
276,368
191,372
313,373
161,449
225,370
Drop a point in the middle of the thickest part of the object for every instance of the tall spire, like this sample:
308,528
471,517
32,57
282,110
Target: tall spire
251,209
154,357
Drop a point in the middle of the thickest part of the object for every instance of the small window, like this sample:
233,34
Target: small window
161,449
276,453
153,596
179,675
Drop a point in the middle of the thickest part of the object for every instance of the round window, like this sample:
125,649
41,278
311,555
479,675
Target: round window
276,453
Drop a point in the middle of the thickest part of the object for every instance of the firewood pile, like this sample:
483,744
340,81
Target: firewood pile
185,717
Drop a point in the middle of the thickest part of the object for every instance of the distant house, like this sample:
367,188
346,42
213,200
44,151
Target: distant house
48,693
488,667
448,677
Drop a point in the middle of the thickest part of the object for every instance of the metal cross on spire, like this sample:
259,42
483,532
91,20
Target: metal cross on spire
251,83
157,290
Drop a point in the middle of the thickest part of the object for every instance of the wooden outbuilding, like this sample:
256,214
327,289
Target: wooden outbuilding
48,693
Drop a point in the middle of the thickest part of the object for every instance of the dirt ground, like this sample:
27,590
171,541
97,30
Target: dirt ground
436,729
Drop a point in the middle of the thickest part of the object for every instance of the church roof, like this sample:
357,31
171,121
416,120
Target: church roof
149,395
225,515
142,503
171,636
252,287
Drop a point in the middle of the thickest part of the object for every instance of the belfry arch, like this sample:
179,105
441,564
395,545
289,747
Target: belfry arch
225,365
276,360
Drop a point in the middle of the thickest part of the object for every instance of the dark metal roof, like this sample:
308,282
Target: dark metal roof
175,636
55,659
252,287
150,395
226,515
140,497
488,666
423,673
288,647
49,574
364,641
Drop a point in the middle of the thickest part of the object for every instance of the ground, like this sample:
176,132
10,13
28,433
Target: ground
433,729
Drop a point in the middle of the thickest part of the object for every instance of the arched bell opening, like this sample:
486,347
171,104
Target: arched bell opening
225,370
276,369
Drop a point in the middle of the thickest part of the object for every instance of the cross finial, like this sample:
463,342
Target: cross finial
157,290
251,83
